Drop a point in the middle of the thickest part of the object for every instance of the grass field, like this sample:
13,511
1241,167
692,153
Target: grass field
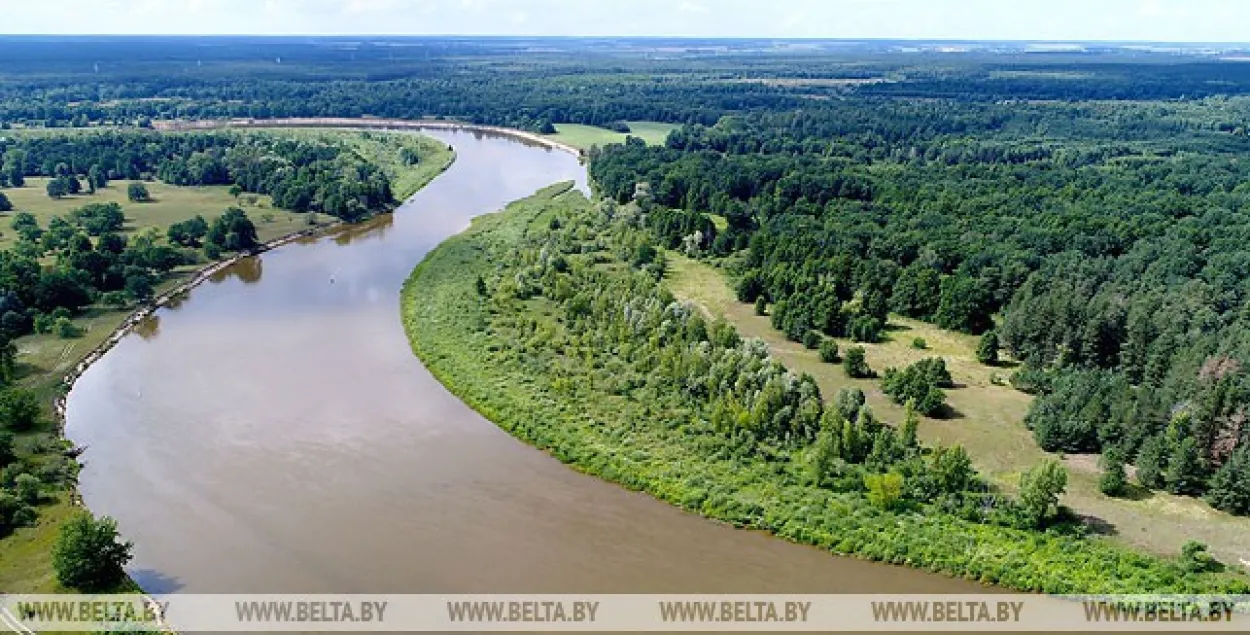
170,204
988,421
584,137
25,556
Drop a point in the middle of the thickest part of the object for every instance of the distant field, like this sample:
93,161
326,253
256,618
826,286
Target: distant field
170,204
989,421
584,137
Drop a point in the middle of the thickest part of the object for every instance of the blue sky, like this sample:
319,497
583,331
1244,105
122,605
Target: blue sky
1157,20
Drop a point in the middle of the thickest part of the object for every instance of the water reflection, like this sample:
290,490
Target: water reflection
149,327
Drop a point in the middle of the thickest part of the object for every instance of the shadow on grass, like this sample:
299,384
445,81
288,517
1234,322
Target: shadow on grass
947,413
1135,492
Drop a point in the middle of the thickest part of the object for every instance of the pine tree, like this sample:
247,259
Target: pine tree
1113,481
1230,487
1186,472
1152,463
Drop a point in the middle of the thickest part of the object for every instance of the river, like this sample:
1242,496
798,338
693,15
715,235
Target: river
274,433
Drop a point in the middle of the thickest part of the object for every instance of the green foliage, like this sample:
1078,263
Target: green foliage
5,204
188,233
1186,473
920,384
829,351
761,306
89,555
138,193
7,451
1230,487
19,409
1114,480
13,513
65,328
1152,463
633,389
232,231
885,491
812,340
866,328
28,489
1040,489
919,344
856,364
1195,558
987,349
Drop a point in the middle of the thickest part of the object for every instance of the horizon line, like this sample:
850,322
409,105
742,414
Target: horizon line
962,40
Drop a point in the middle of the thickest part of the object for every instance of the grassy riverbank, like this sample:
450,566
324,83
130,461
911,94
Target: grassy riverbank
584,137
45,359
990,420
547,319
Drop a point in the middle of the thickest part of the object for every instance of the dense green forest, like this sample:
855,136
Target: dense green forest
1107,255
551,319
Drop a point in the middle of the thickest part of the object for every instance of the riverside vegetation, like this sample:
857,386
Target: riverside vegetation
102,221
551,319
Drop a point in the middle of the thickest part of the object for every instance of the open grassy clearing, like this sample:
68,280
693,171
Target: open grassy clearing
44,359
989,421
577,135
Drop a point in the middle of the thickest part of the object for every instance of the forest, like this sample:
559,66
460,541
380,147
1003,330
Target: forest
1106,256
552,319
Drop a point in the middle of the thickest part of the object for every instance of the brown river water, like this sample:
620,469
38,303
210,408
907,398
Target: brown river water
274,433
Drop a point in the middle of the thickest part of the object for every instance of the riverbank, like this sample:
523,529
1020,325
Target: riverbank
368,123
504,316
25,555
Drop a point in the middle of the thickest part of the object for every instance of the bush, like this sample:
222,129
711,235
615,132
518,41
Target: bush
138,193
885,491
1040,489
856,364
7,451
19,409
1195,559
919,344
89,556
829,351
5,204
987,349
761,306
921,383
866,328
28,488
65,329
812,340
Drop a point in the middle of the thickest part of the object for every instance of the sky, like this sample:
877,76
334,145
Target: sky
1146,20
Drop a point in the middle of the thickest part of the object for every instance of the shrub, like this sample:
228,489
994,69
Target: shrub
987,349
921,383
885,491
866,328
761,306
1040,489
919,344
89,556
856,364
811,341
829,351
28,488
138,193
1195,559
19,409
